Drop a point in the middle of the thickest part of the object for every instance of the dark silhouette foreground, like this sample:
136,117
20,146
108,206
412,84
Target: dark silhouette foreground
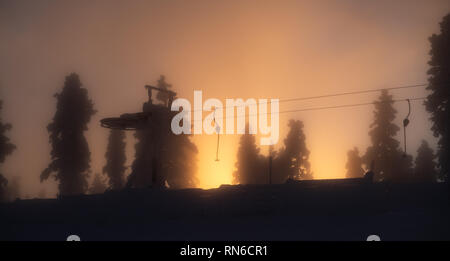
300,211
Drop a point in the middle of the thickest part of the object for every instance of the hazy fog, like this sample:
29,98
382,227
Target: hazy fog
227,49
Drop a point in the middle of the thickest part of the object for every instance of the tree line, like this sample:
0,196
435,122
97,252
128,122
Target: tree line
390,163
290,162
71,157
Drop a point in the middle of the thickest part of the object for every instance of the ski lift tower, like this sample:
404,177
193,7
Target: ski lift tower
155,119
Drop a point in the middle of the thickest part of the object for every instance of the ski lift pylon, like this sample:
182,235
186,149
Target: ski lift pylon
405,124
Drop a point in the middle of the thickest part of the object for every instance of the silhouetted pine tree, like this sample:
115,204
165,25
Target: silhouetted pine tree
293,159
437,103
250,167
354,164
98,185
271,164
425,167
70,151
390,164
115,159
6,148
141,175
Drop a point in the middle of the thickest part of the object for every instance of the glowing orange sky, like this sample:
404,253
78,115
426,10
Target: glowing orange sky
228,49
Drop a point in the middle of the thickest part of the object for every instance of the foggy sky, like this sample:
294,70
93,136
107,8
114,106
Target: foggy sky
227,49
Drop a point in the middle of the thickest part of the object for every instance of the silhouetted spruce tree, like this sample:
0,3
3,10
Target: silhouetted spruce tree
425,167
271,164
98,185
250,167
293,159
390,163
280,167
163,96
354,164
141,169
70,151
115,159
6,148
437,103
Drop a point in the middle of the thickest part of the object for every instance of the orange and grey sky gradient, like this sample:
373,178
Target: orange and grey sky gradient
227,49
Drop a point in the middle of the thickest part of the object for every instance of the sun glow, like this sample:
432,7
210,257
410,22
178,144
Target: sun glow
212,173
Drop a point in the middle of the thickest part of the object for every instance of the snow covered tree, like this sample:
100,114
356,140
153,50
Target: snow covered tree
390,163
425,166
70,153
115,159
437,103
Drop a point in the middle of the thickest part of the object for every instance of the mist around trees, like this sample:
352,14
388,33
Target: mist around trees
70,154
390,163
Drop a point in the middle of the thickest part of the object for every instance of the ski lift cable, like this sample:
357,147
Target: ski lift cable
338,94
322,108
405,121
353,92
351,105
